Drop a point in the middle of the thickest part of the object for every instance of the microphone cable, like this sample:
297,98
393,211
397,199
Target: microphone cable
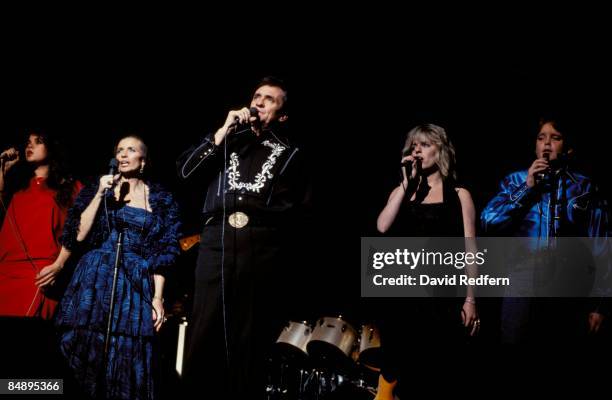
223,304
224,216
15,229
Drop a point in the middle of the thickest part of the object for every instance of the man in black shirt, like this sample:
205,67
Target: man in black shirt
256,187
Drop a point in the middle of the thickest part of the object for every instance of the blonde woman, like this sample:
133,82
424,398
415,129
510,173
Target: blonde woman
427,203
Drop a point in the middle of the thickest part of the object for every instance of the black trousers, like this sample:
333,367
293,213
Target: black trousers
546,320
237,315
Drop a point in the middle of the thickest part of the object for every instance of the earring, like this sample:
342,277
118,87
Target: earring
141,168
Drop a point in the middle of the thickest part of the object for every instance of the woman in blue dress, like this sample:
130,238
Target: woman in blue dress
148,218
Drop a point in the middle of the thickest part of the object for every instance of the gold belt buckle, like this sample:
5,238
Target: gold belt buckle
238,219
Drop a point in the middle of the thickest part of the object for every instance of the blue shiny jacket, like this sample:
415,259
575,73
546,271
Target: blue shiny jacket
518,210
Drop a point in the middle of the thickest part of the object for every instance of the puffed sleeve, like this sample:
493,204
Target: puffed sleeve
166,247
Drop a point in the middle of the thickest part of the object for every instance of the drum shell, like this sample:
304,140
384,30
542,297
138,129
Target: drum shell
294,337
334,331
369,346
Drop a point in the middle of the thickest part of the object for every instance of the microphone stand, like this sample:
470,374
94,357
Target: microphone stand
552,209
101,387
556,221
112,307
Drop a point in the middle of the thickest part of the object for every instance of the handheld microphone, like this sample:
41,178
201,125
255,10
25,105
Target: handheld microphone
544,175
408,165
254,113
112,169
6,157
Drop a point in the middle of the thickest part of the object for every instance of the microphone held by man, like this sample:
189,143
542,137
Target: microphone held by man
234,119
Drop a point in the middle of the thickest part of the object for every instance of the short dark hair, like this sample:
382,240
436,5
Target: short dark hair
561,124
279,83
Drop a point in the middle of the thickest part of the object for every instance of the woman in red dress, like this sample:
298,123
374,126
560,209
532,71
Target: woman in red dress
30,253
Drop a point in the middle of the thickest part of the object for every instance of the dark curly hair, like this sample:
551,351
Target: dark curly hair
60,179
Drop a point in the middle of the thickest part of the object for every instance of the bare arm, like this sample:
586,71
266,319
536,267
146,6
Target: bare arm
158,301
388,214
88,216
47,275
469,310
409,185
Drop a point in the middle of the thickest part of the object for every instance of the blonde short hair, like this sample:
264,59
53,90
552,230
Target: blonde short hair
436,135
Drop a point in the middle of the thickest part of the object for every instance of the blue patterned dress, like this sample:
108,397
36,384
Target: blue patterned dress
149,247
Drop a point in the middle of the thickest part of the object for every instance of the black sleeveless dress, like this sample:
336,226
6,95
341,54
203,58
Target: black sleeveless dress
410,324
416,219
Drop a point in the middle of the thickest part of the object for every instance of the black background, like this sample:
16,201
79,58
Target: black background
357,87
354,93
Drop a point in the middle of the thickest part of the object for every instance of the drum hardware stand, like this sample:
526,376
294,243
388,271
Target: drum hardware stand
301,381
180,346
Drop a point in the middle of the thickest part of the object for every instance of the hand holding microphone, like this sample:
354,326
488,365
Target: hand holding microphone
411,170
234,118
242,116
412,164
538,171
109,180
543,175
9,158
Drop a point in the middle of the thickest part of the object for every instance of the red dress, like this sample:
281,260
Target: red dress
35,221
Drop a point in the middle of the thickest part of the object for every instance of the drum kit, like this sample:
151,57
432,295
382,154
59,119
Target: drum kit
327,359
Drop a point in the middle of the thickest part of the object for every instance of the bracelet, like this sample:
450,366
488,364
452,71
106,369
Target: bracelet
159,298
470,300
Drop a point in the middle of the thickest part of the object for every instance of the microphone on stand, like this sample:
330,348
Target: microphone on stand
562,161
112,170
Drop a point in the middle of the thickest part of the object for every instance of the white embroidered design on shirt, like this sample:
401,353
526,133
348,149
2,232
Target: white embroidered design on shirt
233,175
